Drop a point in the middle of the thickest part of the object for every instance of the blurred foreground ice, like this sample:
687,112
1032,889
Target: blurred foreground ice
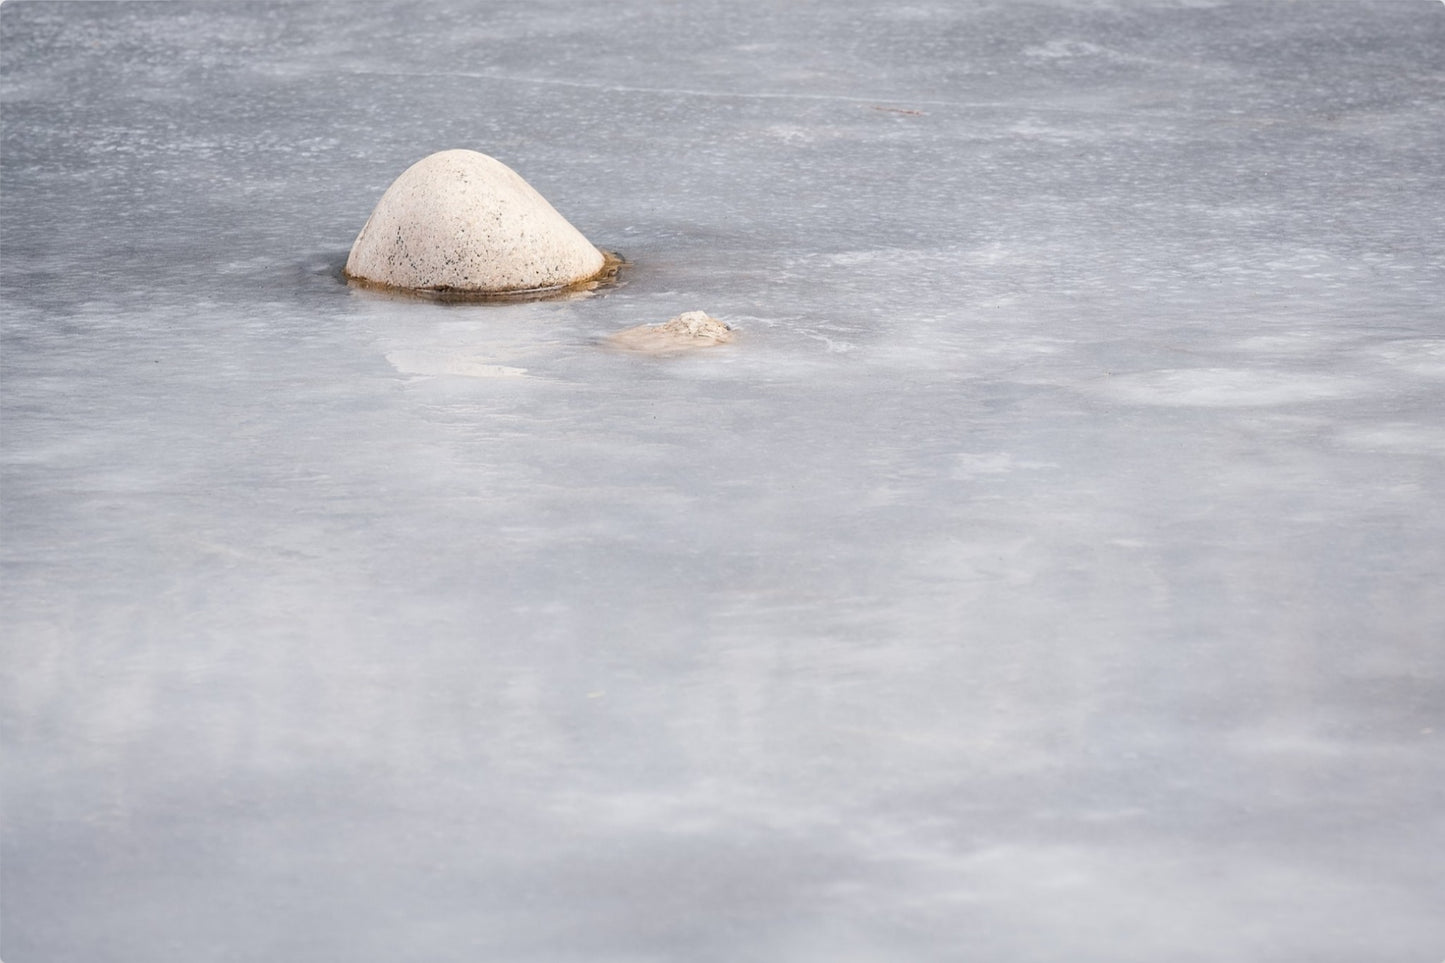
1052,569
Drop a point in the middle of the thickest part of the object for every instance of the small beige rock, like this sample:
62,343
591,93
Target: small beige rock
692,329
460,222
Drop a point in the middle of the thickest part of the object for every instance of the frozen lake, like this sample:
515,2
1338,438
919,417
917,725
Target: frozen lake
1052,569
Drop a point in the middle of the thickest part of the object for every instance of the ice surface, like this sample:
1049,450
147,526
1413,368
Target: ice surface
1053,567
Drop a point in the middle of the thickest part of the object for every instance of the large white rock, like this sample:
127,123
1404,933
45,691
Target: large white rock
462,222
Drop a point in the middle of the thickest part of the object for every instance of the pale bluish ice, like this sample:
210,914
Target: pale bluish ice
1052,570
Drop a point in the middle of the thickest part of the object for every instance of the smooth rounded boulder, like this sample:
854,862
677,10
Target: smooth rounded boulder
462,223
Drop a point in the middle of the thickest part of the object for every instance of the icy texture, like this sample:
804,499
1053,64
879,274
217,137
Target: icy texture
1050,570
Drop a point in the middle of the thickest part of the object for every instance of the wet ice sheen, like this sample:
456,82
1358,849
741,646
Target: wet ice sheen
1050,571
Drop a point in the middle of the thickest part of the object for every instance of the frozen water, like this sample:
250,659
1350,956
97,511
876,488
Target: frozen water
1050,569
